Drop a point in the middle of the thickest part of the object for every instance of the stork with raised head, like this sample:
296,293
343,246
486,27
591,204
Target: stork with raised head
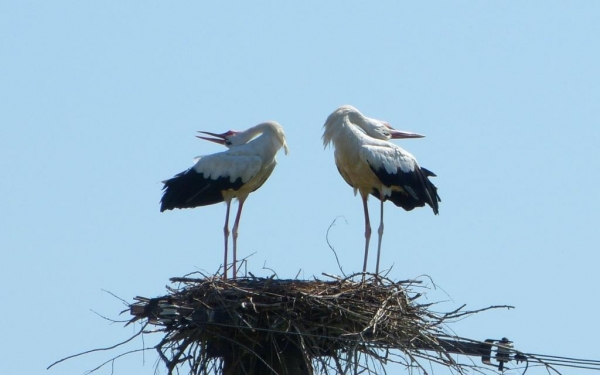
372,165
234,173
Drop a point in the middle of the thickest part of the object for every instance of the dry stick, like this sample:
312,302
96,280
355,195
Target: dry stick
117,297
114,358
100,349
331,247
109,319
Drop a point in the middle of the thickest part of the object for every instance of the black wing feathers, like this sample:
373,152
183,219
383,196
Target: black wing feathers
191,189
416,189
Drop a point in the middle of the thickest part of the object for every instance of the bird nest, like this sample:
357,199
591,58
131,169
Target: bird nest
272,326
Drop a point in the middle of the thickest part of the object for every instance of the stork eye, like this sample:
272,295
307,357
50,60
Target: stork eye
228,143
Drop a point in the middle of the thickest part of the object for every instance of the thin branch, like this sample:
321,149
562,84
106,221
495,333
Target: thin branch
331,246
101,349
117,297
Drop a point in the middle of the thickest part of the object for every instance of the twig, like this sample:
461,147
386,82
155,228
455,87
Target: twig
331,246
101,349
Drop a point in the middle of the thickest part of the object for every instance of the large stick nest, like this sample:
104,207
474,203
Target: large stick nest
267,325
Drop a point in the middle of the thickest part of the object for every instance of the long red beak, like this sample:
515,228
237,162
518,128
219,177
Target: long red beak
219,138
399,134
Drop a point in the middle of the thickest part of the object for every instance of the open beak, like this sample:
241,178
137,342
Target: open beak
219,138
399,134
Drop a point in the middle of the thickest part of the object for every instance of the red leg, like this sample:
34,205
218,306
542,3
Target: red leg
226,233
380,231
235,234
367,231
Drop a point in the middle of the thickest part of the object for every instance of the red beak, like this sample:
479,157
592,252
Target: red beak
219,138
399,134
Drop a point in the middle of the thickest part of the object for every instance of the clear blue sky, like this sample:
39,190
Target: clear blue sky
100,101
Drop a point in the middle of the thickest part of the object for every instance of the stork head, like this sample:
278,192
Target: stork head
374,128
227,139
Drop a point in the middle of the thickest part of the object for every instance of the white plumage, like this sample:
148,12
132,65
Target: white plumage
372,165
234,173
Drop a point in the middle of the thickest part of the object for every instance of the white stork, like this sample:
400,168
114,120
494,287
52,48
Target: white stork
372,165
234,173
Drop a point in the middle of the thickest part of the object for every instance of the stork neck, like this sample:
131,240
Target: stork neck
268,144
